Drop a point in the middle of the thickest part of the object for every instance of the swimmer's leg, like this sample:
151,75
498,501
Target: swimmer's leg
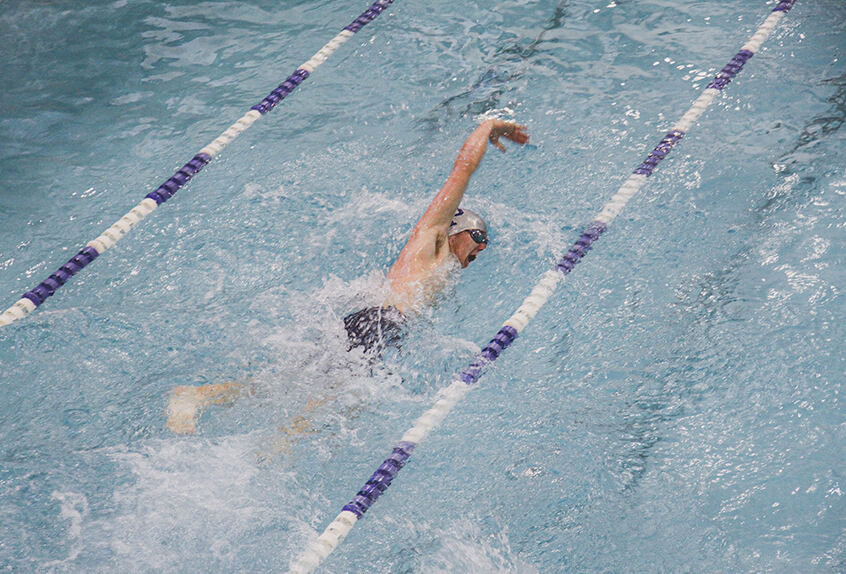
187,403
297,426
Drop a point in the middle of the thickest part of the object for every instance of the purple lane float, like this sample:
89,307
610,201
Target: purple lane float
34,298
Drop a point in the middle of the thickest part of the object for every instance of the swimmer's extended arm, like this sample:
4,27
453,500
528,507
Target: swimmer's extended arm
429,237
440,212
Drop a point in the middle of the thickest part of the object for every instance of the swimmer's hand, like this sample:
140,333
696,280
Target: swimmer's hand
508,130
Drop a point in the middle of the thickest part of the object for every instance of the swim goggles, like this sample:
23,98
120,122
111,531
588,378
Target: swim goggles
478,236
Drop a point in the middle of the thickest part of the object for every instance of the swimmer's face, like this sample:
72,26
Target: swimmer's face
467,245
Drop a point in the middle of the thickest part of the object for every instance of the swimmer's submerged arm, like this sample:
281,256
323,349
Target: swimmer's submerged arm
187,403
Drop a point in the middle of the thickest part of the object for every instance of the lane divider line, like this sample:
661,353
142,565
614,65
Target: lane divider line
35,297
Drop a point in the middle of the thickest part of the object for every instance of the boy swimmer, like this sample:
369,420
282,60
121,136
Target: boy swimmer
445,237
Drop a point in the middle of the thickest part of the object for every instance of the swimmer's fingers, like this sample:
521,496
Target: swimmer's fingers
511,131
497,143
314,403
517,134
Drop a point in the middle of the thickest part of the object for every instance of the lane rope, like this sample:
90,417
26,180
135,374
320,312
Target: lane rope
32,299
318,550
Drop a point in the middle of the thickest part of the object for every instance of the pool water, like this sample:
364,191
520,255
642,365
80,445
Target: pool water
673,408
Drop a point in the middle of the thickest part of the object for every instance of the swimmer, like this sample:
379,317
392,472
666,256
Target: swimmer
446,237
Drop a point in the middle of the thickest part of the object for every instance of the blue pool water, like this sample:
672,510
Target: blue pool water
674,408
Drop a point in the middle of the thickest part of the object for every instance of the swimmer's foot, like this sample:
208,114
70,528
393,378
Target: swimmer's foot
183,410
187,403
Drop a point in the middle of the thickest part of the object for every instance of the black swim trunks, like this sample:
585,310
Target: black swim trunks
375,328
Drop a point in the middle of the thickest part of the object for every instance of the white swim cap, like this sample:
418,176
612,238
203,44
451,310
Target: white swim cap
465,219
